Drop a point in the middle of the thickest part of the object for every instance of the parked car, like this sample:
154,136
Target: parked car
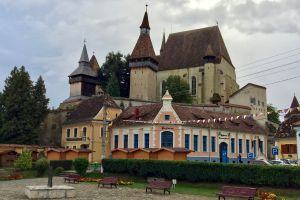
290,162
278,162
260,162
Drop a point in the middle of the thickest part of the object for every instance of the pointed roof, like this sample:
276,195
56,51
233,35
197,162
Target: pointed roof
94,64
163,43
143,48
84,55
84,67
295,102
167,96
145,22
293,108
187,49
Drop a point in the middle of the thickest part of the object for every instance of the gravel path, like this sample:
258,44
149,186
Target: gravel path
15,190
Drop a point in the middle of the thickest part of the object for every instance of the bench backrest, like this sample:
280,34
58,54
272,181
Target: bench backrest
244,191
76,176
110,179
160,184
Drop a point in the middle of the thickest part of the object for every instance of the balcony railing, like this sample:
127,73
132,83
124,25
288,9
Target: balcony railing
77,139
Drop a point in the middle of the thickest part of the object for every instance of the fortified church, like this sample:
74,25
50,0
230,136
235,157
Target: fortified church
199,56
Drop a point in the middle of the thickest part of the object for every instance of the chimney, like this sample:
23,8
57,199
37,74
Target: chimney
136,113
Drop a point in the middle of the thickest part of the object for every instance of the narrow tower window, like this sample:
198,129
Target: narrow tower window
194,85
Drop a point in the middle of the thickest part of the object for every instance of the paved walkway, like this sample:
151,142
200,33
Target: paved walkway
15,190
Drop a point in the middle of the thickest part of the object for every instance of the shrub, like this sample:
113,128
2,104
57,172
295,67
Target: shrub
24,162
41,166
282,176
81,165
66,164
58,170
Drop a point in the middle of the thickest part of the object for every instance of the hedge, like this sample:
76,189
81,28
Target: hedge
66,164
258,175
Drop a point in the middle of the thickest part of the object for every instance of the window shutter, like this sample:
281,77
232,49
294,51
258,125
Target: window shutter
283,149
293,148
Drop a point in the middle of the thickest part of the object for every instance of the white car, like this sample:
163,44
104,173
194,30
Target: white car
278,162
260,162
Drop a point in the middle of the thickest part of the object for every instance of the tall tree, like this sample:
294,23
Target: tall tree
113,88
179,89
22,107
40,102
273,115
116,63
17,108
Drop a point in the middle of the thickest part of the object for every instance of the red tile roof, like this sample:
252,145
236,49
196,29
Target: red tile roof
89,108
189,114
187,49
145,22
143,48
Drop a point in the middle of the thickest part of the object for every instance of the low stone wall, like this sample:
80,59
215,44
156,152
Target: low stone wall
45,192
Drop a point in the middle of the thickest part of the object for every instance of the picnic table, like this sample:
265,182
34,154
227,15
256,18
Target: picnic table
241,192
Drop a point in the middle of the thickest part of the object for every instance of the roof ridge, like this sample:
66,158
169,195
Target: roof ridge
192,30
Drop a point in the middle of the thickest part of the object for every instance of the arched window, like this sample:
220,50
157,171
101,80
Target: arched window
194,84
163,87
167,139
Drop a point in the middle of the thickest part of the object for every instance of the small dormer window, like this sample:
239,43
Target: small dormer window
167,117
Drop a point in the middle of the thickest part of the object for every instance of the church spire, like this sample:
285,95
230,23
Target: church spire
162,48
84,55
145,27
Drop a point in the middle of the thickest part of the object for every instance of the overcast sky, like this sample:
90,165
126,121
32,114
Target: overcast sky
46,36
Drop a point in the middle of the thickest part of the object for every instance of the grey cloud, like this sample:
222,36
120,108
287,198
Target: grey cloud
246,16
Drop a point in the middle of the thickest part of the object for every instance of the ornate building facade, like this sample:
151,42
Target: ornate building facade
198,56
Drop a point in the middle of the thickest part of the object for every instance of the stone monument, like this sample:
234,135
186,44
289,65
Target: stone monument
49,191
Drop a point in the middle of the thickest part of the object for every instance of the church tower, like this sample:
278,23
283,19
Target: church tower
143,65
84,79
209,75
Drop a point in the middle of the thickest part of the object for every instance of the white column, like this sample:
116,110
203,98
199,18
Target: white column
297,129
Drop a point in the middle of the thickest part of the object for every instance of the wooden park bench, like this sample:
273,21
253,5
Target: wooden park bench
238,192
159,185
112,181
72,178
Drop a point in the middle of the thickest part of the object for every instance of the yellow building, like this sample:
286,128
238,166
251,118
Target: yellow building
198,56
84,127
286,136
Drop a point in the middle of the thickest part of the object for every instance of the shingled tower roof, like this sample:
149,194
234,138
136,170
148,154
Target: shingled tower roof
94,64
188,48
293,108
143,47
84,67
145,22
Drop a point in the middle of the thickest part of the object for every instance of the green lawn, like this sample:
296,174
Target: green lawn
208,189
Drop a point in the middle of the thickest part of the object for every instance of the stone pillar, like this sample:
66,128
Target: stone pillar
297,129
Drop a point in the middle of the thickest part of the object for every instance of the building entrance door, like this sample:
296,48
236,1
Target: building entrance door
223,152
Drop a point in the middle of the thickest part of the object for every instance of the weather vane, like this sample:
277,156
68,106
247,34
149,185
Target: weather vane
146,7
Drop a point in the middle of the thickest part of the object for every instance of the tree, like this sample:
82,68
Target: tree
22,108
179,89
118,64
273,115
40,102
17,108
113,88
